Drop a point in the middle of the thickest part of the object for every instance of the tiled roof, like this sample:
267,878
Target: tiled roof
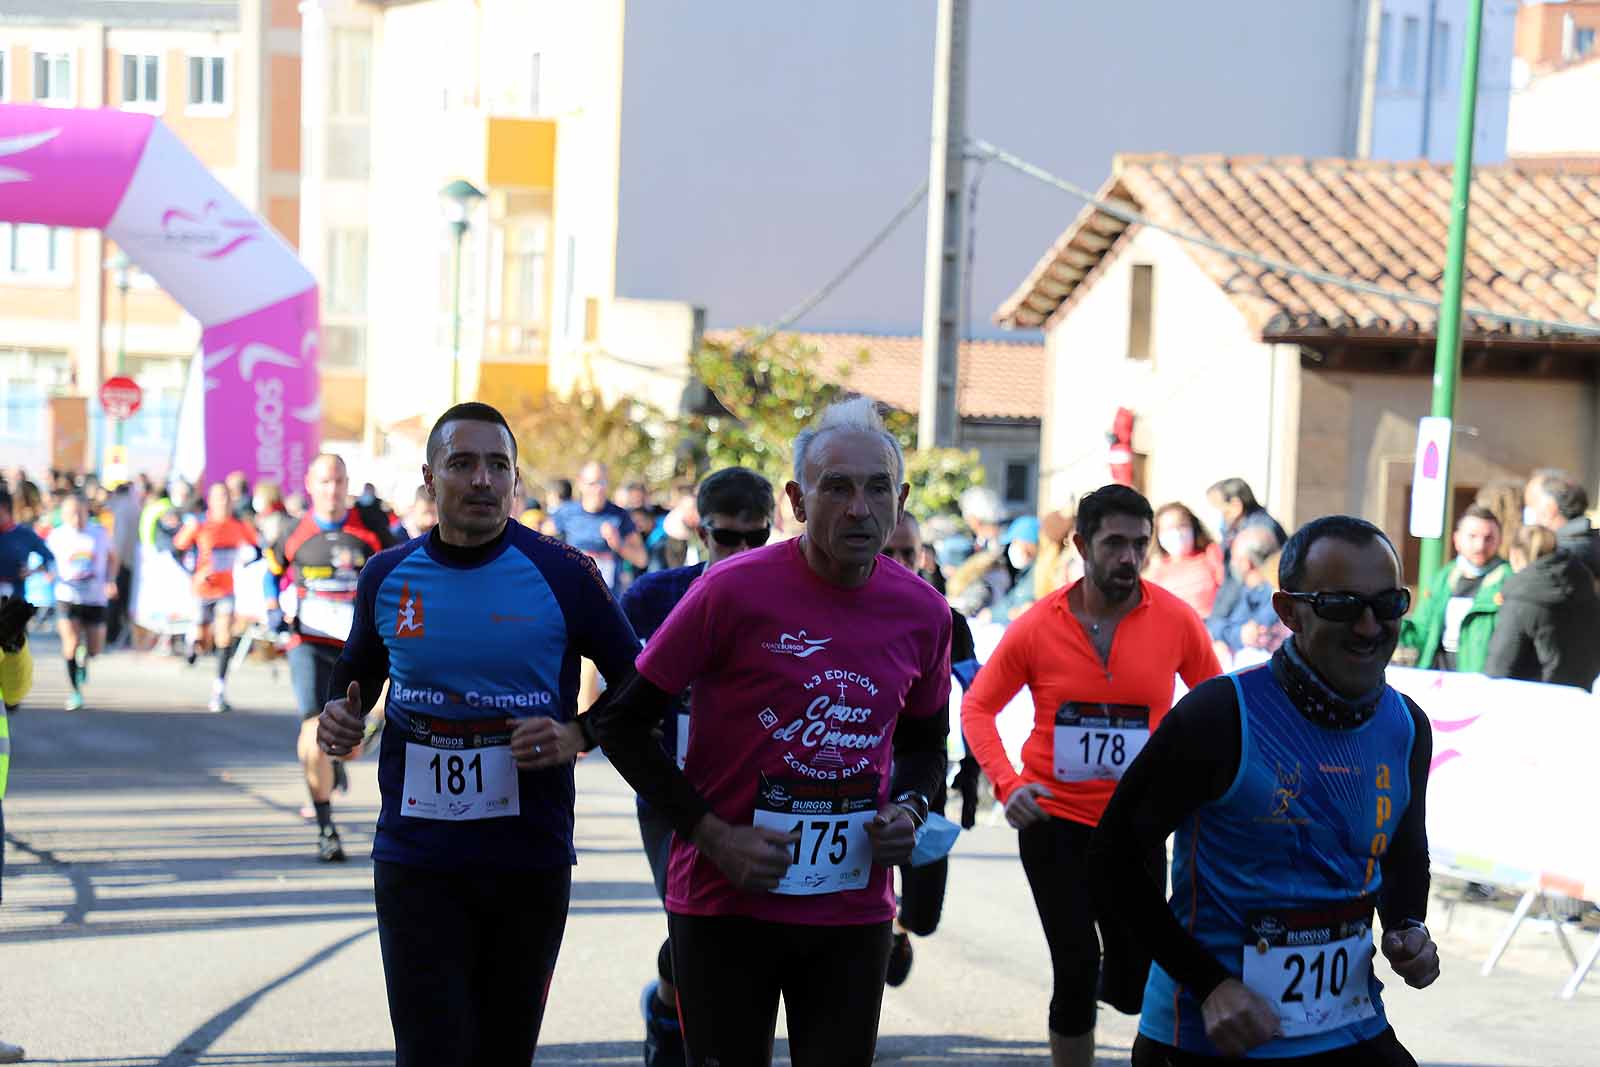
1531,249
998,379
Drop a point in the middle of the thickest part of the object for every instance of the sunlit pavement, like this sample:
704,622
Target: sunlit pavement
164,907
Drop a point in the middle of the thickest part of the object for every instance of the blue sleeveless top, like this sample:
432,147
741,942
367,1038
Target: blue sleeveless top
1285,867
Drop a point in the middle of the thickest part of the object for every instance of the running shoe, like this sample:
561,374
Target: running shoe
74,703
329,848
11,1053
899,959
663,1036
219,704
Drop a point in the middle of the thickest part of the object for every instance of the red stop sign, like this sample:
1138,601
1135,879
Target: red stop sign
120,397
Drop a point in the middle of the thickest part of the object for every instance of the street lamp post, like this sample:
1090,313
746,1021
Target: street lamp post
457,200
121,265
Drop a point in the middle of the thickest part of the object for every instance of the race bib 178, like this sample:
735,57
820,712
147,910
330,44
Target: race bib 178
1098,741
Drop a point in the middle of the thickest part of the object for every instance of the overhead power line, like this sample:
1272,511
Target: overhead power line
985,150
805,307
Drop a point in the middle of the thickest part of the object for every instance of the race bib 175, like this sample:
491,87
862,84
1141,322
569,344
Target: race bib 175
829,820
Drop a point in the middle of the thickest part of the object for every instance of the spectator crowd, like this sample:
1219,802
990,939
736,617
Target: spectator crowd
1517,599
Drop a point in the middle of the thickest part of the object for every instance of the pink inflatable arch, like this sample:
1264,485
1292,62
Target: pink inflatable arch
128,175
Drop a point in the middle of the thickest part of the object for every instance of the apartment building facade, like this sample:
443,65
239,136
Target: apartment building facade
226,78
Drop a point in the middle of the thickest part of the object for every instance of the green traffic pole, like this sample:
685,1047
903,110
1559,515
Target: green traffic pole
1447,355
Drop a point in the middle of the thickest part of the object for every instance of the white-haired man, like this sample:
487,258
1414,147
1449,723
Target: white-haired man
814,664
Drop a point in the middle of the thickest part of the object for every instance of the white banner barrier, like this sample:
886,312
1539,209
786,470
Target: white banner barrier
163,592
1510,798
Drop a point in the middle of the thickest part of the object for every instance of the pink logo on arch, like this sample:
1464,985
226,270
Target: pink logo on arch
1430,461
190,231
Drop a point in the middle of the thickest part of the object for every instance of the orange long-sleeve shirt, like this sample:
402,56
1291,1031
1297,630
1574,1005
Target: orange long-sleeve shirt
218,544
1048,651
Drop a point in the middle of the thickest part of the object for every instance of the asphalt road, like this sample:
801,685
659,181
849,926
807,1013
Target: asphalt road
163,907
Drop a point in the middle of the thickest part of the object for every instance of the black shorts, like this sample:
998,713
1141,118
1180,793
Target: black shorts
1384,1050
731,970
86,614
467,960
1110,967
310,675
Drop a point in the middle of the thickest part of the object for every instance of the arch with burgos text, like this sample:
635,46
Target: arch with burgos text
128,175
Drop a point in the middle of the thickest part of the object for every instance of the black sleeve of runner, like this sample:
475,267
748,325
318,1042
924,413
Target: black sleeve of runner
919,754
1405,865
962,647
622,719
364,658
1190,761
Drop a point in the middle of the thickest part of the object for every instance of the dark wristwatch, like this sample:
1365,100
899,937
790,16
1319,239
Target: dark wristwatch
916,804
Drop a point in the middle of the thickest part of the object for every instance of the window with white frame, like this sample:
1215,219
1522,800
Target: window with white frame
141,81
31,251
1440,57
208,82
347,272
28,378
52,78
1411,53
350,73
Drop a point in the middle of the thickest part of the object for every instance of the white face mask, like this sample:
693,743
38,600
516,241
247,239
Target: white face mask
1213,520
1017,553
1530,517
1176,541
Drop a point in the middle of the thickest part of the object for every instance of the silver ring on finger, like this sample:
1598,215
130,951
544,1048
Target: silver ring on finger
538,750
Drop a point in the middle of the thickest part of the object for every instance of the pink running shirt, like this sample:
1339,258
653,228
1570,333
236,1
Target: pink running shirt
797,688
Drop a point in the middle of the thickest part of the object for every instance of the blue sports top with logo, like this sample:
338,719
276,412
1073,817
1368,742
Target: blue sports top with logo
1279,878
469,639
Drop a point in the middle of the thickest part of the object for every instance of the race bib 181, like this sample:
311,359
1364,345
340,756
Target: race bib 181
1314,966
829,819
458,770
1098,741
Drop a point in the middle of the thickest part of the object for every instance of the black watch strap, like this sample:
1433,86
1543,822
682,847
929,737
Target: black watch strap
916,803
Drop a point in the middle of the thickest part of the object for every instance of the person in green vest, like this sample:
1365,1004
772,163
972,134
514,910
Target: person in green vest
16,678
1455,617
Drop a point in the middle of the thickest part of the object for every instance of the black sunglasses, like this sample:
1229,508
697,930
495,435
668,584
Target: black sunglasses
734,538
1386,606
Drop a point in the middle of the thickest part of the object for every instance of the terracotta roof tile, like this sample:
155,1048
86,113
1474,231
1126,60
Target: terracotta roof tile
998,379
1531,249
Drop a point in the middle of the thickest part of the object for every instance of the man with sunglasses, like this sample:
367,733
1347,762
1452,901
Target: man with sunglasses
1296,790
735,506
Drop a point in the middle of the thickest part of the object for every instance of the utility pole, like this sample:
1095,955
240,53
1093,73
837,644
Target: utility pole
1372,27
1447,355
941,290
